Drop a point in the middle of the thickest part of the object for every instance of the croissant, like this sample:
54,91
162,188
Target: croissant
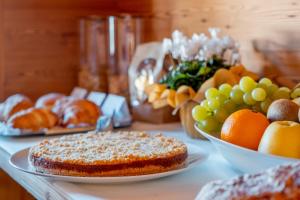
33,119
77,112
61,104
48,100
14,104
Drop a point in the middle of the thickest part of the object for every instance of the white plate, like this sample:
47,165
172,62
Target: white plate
243,159
6,130
196,155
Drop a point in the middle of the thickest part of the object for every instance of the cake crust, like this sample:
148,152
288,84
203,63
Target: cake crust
108,154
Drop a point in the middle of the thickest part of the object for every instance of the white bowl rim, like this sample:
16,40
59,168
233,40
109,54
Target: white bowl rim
208,136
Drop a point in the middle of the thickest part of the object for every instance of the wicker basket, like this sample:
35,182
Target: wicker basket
187,120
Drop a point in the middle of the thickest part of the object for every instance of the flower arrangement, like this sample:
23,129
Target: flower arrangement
197,58
198,62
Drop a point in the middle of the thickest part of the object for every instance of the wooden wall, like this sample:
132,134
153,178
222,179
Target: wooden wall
268,30
39,42
39,39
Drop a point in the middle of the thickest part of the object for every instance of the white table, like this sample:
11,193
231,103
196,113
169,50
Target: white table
182,186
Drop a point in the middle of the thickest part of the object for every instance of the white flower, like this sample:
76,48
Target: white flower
178,37
227,42
214,32
199,46
199,40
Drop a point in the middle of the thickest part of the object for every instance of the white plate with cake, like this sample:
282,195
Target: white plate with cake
108,157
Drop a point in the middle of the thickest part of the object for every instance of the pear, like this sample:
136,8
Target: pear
283,110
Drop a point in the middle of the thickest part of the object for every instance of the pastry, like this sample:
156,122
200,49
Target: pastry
33,119
48,100
108,154
77,112
14,104
61,104
282,182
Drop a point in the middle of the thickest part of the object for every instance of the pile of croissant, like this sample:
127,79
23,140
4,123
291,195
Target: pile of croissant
50,110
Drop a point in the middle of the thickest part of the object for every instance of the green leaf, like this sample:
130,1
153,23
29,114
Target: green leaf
192,73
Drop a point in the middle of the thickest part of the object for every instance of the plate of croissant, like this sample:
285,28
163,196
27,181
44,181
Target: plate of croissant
53,113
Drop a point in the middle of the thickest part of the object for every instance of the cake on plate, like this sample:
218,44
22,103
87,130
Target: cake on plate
108,154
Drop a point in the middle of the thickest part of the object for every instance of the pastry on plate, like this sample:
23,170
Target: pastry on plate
108,154
33,119
14,104
48,100
61,104
77,112
282,182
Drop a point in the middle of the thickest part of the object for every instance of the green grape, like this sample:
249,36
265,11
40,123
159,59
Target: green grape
236,87
286,89
295,93
225,89
199,113
271,89
221,98
210,124
237,96
256,107
220,114
265,81
263,86
204,104
211,93
247,84
229,106
213,104
258,94
247,97
264,105
281,94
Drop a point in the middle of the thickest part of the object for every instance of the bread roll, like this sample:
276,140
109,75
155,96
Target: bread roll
77,112
61,104
14,104
48,100
34,119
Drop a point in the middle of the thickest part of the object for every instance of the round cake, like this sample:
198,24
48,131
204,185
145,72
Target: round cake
108,154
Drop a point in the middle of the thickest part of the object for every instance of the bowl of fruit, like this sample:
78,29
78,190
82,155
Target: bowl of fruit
254,125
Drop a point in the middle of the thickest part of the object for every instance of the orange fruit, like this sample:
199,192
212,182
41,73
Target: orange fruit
244,128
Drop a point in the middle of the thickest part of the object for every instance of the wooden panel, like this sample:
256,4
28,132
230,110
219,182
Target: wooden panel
1,52
40,38
273,20
103,5
40,44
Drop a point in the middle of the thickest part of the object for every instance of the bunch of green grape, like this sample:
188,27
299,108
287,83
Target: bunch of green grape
221,102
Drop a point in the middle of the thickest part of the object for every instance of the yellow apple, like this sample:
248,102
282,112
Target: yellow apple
281,138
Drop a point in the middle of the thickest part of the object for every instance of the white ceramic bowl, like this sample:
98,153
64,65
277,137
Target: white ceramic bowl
245,160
